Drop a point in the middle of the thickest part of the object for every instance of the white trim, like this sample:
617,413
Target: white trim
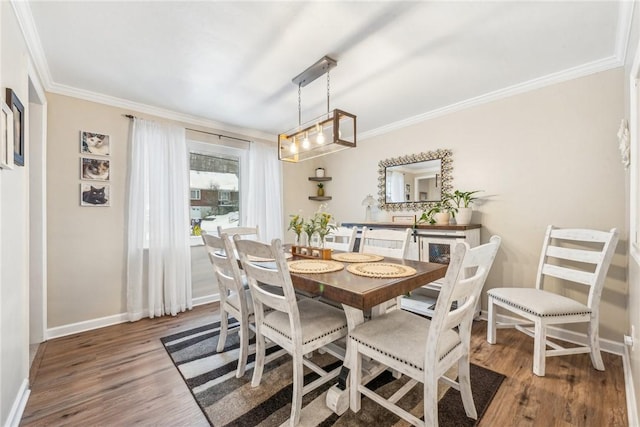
550,79
89,325
579,338
625,19
206,299
629,388
15,414
22,10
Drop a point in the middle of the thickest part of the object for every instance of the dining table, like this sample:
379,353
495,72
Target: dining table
359,295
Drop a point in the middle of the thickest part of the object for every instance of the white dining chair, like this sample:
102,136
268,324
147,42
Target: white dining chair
578,256
299,327
424,349
341,239
235,299
388,243
245,232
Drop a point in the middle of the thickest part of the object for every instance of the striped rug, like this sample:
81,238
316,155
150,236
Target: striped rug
230,401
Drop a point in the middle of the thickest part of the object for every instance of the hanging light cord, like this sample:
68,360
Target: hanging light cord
328,91
299,104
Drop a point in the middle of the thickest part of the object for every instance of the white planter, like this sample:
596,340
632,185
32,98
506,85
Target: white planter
442,218
463,217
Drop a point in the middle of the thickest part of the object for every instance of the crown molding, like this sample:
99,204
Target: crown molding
23,14
625,20
550,79
157,111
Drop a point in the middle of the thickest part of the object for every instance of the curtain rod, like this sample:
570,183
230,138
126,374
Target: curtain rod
129,116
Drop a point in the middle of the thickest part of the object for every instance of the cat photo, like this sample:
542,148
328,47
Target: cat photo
94,143
95,169
94,195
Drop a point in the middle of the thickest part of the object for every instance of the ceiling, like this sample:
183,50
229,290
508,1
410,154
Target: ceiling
230,64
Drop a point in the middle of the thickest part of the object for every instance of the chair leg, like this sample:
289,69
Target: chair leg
355,376
298,384
491,322
259,361
244,348
224,325
539,348
464,379
594,342
430,387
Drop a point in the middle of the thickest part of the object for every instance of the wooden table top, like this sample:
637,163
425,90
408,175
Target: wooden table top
366,292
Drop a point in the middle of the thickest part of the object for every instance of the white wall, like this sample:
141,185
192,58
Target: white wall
549,156
14,274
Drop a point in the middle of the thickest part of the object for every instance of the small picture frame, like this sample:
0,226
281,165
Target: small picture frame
95,143
95,169
18,126
404,219
6,137
95,194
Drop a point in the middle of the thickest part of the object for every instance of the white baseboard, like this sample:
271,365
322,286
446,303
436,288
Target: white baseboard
15,415
632,407
88,325
570,336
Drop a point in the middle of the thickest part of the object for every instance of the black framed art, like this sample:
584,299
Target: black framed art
18,126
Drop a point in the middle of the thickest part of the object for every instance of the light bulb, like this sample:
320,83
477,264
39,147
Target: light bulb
305,141
293,147
320,138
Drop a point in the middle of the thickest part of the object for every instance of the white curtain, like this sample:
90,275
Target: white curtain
158,220
264,193
397,186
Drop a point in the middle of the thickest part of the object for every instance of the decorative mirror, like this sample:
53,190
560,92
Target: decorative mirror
415,182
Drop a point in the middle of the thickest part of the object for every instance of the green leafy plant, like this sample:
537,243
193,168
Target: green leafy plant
309,228
296,224
320,185
444,205
323,224
463,199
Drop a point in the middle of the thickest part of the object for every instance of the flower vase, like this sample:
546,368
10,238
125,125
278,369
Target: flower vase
315,240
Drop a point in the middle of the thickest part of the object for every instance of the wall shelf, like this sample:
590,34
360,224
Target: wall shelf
319,199
324,178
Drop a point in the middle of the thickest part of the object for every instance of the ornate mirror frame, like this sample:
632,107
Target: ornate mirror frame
446,178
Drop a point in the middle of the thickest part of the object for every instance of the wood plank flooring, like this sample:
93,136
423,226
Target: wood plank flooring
122,376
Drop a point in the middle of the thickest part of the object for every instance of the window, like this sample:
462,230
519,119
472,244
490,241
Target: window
215,182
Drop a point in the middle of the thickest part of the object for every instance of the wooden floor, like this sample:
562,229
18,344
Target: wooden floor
121,376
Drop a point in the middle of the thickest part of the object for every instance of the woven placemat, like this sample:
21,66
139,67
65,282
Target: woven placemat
314,266
381,270
356,257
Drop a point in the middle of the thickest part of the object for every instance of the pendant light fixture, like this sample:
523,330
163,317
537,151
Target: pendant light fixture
331,132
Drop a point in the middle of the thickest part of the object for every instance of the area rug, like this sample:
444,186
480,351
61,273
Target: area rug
230,401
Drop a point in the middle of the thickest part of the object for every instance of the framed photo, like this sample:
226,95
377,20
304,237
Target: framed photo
18,126
95,143
404,219
6,137
93,194
95,169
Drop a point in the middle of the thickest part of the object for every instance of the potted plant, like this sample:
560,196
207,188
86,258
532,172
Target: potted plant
463,201
440,213
320,189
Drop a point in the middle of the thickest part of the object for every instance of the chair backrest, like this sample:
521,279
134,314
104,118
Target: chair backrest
272,273
225,266
252,233
463,283
389,243
341,239
578,255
